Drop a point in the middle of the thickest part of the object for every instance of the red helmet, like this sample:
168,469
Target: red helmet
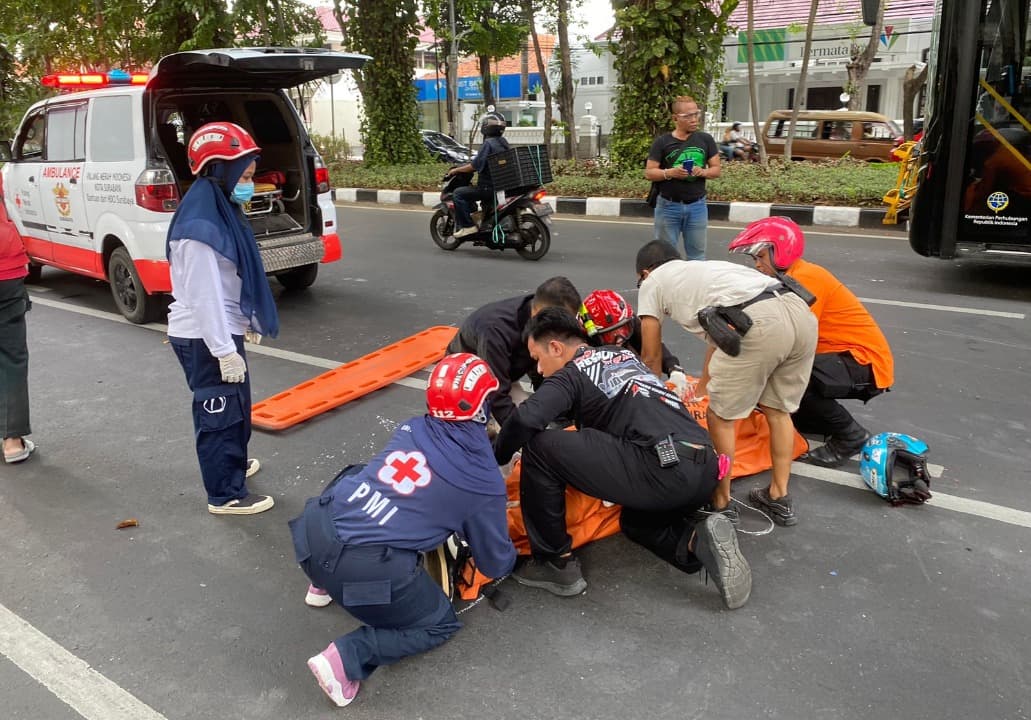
782,235
459,386
219,141
611,315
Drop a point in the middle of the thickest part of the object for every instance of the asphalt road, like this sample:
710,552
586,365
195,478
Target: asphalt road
860,611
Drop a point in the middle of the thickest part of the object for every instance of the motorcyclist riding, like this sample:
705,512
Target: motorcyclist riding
492,126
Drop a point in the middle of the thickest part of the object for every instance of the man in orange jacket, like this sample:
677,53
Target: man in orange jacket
853,359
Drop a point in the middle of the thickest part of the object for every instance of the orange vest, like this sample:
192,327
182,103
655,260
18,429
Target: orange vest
844,324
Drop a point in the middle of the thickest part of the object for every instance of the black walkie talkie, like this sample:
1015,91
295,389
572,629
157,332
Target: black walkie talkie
667,452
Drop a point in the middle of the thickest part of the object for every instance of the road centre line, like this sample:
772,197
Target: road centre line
70,678
838,477
946,308
978,508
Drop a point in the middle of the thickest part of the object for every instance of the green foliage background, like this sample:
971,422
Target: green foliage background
45,36
662,49
388,32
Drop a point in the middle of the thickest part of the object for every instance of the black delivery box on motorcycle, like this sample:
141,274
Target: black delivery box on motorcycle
520,166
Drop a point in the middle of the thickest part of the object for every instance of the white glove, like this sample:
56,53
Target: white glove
678,379
234,369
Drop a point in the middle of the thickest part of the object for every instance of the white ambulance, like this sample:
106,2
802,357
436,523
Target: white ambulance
94,175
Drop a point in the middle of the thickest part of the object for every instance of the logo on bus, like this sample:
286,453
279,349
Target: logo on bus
998,201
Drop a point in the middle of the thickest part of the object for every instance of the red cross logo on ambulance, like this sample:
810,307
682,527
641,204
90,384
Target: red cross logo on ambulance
405,471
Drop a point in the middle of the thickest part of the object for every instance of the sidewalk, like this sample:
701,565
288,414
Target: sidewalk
738,212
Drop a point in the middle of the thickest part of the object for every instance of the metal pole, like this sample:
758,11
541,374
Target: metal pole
452,74
332,107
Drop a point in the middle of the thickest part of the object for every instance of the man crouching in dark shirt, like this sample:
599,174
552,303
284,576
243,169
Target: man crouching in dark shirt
495,333
635,445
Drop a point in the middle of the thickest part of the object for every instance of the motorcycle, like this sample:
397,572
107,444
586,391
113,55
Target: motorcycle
521,221
751,150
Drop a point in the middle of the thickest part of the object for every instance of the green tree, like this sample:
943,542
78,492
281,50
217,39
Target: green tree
662,48
488,29
47,36
387,31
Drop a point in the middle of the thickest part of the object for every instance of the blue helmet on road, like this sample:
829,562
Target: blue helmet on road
894,466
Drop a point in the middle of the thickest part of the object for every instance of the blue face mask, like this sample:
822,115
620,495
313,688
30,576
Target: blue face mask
242,193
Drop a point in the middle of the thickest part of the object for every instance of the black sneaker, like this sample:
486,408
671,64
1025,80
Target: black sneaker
781,509
250,505
566,581
730,512
716,546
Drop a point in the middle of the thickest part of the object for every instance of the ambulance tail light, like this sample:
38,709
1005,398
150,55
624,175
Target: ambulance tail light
156,190
321,176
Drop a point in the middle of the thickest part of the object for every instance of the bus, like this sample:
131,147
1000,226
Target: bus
974,164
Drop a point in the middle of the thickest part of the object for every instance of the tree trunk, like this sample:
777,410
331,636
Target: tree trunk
910,88
753,90
524,71
566,93
541,71
859,64
800,90
485,80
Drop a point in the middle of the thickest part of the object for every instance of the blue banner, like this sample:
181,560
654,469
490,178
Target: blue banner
469,88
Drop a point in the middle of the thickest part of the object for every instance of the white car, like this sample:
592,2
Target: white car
93,176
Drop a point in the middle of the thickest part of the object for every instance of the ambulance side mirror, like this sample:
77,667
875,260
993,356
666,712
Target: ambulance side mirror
5,151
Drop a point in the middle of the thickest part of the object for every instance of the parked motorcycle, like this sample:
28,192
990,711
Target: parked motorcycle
521,222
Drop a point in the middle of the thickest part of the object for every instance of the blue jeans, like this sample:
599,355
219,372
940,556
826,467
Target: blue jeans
405,612
221,419
688,219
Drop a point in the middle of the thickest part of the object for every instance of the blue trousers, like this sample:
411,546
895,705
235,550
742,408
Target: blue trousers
689,220
405,612
221,419
465,199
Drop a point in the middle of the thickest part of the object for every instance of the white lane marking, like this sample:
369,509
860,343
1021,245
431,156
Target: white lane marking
989,511
840,477
945,308
37,288
296,357
78,685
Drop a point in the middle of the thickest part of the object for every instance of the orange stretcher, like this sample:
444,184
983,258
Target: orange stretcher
352,380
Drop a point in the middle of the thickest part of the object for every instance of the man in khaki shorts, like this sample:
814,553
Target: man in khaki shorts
771,369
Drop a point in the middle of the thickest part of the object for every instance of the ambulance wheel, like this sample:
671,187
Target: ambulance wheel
35,273
299,278
130,297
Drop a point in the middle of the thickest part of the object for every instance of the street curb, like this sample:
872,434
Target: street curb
738,212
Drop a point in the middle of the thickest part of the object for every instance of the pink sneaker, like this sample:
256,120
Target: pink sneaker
317,597
328,669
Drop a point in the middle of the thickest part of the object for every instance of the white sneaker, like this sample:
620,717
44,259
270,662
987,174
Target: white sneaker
471,230
317,597
253,466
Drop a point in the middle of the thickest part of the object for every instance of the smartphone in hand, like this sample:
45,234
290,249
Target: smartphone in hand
689,166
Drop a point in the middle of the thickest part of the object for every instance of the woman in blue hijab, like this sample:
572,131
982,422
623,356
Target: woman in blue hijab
221,293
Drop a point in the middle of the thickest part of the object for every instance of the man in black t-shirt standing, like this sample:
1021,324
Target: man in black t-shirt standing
681,161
